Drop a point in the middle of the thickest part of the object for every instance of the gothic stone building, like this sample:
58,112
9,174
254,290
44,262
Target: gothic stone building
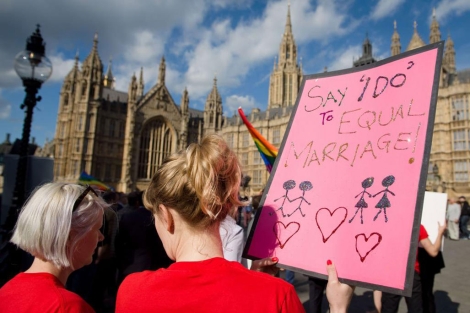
121,138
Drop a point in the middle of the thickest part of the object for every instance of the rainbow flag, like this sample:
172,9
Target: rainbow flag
86,179
266,149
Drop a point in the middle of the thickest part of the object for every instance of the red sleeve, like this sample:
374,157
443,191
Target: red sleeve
292,303
423,234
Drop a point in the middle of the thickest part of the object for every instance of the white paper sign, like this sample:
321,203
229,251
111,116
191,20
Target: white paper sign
434,211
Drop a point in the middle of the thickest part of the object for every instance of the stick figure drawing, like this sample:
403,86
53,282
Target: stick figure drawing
362,204
288,185
384,203
304,186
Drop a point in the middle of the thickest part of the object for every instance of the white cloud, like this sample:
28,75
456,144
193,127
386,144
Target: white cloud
144,48
233,102
344,59
447,8
385,8
133,31
136,34
60,67
231,52
5,108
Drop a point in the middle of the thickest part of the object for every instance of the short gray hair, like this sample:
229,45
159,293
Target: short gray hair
46,221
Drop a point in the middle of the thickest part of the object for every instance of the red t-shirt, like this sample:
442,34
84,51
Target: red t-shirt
423,234
39,292
214,285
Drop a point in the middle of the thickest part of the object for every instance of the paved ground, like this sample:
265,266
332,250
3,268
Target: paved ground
451,287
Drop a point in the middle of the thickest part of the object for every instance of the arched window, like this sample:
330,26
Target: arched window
156,144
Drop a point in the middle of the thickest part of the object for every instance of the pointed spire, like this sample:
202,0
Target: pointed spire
161,72
92,64
366,57
108,80
435,34
140,88
288,49
288,28
449,55
185,101
396,45
133,89
95,42
367,46
416,41
75,63
110,64
214,94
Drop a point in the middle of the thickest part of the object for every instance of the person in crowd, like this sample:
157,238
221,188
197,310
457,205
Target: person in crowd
390,302
452,216
189,195
138,246
60,226
104,283
316,288
430,263
232,239
122,201
133,204
464,217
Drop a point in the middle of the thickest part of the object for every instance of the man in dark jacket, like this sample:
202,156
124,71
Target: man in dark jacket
464,217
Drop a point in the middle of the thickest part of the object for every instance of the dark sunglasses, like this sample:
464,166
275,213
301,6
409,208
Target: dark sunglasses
82,196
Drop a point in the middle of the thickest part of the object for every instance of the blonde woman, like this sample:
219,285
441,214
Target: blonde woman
189,195
60,226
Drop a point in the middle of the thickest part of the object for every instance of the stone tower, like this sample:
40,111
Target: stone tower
68,94
77,117
366,57
287,74
449,55
396,46
435,34
416,41
213,111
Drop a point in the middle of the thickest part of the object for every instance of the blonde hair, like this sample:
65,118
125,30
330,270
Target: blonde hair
201,183
46,221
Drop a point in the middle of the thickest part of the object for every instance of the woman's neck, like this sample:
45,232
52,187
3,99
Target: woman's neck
200,245
41,266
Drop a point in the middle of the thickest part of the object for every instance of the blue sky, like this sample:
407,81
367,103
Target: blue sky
236,40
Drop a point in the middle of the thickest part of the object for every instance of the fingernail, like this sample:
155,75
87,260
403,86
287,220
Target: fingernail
275,259
328,262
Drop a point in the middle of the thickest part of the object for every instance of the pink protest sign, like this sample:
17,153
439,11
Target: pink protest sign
348,183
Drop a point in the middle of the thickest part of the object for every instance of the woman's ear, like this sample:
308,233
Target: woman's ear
167,218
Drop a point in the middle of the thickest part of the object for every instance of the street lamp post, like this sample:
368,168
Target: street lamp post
34,68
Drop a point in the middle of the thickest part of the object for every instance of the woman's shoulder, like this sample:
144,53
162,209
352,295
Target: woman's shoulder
72,302
136,279
257,278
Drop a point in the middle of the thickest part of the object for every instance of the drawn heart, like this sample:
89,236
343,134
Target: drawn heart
364,246
330,222
284,233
